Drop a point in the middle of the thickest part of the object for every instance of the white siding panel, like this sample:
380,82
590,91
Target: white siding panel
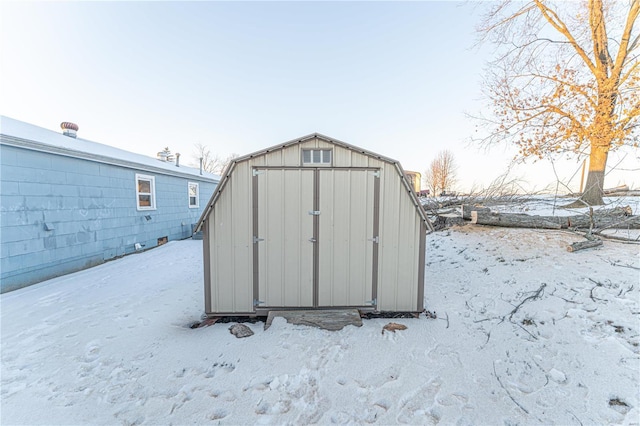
242,239
324,144
345,246
358,160
341,157
389,240
399,243
407,267
221,271
285,260
274,158
230,247
292,156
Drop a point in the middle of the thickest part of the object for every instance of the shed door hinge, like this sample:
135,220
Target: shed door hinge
373,302
375,239
256,172
314,212
376,173
257,302
257,240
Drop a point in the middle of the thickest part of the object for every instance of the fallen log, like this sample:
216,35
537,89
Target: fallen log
513,220
520,220
600,222
442,222
581,245
621,188
467,209
630,193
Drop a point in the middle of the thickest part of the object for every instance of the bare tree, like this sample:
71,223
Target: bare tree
441,174
565,80
211,163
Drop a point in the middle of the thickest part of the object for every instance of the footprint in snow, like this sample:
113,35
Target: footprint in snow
218,413
420,407
92,351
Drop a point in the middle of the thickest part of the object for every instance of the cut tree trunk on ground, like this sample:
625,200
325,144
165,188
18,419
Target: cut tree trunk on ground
467,209
513,220
629,193
621,188
518,220
581,245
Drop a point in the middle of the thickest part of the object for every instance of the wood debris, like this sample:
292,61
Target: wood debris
392,326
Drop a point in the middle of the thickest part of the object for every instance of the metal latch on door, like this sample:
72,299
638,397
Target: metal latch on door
314,212
257,240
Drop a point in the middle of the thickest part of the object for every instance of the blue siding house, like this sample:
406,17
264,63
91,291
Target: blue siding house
67,203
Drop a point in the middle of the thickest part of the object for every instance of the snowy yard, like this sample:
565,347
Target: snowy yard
112,344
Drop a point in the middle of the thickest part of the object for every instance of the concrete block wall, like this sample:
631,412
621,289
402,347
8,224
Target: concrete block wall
61,214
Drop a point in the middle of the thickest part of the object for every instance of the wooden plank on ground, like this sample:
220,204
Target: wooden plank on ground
333,319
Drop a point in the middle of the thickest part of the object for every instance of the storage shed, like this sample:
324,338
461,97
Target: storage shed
313,223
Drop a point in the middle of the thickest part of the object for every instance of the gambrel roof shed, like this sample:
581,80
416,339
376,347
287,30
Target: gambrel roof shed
313,223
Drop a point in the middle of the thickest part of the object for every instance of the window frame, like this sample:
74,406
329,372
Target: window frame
197,196
322,152
151,193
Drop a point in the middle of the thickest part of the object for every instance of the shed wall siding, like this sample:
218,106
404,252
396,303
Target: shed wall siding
399,234
284,225
399,244
59,214
231,245
346,237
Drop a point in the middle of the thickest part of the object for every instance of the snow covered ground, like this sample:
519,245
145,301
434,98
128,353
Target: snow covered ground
112,344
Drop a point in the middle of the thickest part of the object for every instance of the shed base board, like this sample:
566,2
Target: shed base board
326,319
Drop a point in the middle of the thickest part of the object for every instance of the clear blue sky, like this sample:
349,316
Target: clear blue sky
394,78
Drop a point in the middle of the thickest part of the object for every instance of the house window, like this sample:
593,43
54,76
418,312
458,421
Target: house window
316,156
194,195
146,192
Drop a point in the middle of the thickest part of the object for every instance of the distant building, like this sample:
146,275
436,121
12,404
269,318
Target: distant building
415,178
67,203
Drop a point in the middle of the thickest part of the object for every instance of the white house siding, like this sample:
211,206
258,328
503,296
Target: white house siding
282,274
59,214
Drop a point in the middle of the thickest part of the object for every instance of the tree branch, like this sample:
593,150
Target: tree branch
557,23
625,48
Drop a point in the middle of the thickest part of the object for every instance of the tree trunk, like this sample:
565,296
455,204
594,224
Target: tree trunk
594,188
513,220
604,220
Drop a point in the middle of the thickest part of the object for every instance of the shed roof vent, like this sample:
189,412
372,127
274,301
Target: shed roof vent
69,129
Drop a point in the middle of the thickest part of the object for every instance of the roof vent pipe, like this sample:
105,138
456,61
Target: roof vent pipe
177,159
201,165
69,129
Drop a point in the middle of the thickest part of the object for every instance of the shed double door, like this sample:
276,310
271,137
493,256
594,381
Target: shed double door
315,237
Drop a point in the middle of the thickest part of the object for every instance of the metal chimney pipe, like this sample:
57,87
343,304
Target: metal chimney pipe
200,165
177,159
